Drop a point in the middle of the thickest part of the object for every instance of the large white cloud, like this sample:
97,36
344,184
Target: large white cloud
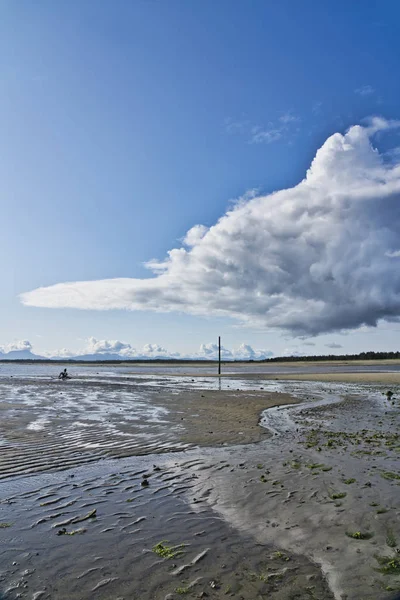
319,257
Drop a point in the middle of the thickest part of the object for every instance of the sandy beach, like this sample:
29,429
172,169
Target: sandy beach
135,487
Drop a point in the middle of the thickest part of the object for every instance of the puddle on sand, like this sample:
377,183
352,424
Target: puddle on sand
111,555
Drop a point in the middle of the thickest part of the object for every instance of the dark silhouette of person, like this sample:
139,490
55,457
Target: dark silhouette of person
63,374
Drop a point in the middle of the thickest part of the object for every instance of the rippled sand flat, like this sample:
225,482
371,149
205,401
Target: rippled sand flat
54,425
97,474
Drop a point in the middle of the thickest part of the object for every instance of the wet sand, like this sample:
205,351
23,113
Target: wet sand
57,425
306,506
379,377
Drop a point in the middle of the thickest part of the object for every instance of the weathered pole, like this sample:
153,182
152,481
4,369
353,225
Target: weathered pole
219,355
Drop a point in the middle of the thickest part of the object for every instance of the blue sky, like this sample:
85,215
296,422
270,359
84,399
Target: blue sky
126,124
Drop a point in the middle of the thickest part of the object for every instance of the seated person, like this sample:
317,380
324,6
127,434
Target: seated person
63,375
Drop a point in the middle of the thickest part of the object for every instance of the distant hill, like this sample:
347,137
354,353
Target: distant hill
20,355
97,357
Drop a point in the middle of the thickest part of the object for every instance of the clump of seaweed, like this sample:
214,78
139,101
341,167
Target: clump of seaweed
390,539
280,556
359,535
337,495
4,525
389,475
168,551
390,565
312,439
349,481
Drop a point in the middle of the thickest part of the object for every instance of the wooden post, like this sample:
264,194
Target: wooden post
219,355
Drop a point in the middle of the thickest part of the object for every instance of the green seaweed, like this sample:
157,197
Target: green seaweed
359,535
338,495
389,475
280,556
5,525
390,565
168,551
390,539
349,481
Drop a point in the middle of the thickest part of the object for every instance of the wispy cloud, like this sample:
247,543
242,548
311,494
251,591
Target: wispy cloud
333,345
316,108
262,134
266,136
289,117
393,254
365,90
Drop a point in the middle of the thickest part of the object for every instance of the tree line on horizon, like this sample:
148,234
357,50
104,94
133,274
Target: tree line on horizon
370,355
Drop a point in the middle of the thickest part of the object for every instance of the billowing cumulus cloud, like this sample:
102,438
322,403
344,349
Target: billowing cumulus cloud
123,350
316,258
95,346
104,349
16,346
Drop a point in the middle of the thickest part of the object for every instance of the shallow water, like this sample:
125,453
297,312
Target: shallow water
48,370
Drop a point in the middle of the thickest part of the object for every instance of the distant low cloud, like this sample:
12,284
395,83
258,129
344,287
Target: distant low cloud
123,350
243,352
312,259
333,345
16,346
95,346
365,90
293,352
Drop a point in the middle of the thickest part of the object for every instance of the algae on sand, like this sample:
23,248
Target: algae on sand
168,551
389,475
390,565
359,535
